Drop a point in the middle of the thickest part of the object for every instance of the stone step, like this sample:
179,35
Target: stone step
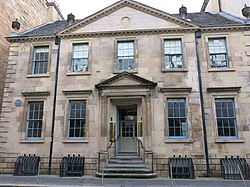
118,161
126,158
127,175
127,170
117,166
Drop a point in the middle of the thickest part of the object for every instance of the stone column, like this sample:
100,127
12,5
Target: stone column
147,119
104,127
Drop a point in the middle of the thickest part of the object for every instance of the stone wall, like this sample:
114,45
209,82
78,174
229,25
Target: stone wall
29,13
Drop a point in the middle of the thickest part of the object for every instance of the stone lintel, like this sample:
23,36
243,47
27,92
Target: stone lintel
29,94
187,89
76,92
224,89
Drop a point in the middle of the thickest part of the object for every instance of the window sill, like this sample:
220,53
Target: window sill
38,75
174,70
76,141
221,69
221,140
179,140
41,141
77,73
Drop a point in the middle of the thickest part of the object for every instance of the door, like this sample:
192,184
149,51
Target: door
128,136
128,130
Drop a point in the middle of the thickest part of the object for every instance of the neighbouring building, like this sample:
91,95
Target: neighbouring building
178,84
29,14
227,6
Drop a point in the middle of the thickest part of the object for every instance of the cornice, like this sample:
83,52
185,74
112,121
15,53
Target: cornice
30,38
127,32
35,94
226,28
223,89
184,89
76,92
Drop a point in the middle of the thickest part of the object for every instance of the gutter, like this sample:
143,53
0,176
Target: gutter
57,42
197,36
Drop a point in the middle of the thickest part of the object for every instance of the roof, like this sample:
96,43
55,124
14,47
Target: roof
207,19
47,29
193,20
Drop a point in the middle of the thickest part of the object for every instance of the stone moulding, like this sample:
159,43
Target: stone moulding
30,94
76,92
188,89
223,89
127,33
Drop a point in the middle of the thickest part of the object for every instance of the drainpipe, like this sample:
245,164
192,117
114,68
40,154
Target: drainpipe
219,4
197,36
57,42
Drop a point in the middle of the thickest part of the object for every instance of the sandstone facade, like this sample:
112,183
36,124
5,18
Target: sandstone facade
29,14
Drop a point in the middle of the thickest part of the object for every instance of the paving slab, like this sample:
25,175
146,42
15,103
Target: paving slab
90,181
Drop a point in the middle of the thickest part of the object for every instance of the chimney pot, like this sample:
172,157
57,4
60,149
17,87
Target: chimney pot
71,18
15,25
183,11
246,13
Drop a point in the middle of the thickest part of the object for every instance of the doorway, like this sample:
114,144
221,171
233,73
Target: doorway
127,129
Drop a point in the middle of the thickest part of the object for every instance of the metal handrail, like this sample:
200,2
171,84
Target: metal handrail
104,152
140,145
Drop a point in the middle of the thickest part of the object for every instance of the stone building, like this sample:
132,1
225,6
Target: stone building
227,6
127,76
29,14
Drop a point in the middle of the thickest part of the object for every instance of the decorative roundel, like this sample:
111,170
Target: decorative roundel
18,102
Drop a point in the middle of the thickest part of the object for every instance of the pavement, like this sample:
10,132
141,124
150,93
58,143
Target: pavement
90,181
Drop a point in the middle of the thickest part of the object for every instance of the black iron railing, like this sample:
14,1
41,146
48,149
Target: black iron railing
106,154
234,168
72,166
27,165
181,167
142,152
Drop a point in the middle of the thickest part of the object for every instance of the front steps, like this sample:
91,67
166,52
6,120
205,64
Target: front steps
126,166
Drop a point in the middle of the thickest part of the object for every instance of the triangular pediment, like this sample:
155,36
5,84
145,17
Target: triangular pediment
127,15
126,80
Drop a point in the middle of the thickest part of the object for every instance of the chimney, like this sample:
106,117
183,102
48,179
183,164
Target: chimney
183,12
15,26
71,18
246,13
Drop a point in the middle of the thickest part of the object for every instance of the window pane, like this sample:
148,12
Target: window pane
226,118
218,52
77,118
34,120
80,57
125,55
40,60
177,120
173,54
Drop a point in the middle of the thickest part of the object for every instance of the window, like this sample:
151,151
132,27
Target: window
40,60
173,54
226,117
80,57
77,119
177,119
125,55
34,120
218,52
